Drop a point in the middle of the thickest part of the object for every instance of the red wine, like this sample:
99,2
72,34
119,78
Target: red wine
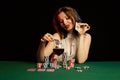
58,51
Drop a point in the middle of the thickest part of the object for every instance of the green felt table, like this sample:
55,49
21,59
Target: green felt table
98,70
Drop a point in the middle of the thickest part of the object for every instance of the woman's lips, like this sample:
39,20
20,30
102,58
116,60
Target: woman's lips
67,26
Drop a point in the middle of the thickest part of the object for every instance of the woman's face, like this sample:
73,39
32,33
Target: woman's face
65,22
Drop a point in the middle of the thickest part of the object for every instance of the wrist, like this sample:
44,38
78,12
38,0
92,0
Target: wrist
82,35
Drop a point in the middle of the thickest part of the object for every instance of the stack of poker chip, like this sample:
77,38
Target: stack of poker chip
64,60
46,66
46,60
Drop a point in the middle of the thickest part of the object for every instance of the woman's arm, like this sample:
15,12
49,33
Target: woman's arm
40,52
46,49
84,42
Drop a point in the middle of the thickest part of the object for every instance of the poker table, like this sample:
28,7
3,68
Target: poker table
98,70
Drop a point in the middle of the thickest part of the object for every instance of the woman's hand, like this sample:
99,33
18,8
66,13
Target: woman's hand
47,37
82,27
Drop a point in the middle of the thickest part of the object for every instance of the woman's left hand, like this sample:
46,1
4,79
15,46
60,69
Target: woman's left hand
82,27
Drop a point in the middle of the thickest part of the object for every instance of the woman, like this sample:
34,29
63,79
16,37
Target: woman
71,32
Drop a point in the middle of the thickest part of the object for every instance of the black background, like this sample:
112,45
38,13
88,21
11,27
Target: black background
24,23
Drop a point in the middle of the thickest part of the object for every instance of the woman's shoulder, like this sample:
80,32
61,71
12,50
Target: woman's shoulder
88,35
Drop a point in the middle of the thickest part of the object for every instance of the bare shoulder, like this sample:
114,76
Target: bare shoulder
87,35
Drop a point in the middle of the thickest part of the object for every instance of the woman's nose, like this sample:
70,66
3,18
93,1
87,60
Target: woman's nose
65,22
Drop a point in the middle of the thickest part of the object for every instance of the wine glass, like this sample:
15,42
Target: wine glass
58,50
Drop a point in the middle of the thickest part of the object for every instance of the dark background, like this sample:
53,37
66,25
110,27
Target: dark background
24,23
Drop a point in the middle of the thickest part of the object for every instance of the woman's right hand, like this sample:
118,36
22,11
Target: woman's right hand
47,37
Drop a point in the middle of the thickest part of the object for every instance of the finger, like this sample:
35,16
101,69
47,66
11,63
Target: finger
44,38
48,37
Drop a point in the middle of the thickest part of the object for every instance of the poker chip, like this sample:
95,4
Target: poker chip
68,68
39,65
86,67
71,63
79,70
